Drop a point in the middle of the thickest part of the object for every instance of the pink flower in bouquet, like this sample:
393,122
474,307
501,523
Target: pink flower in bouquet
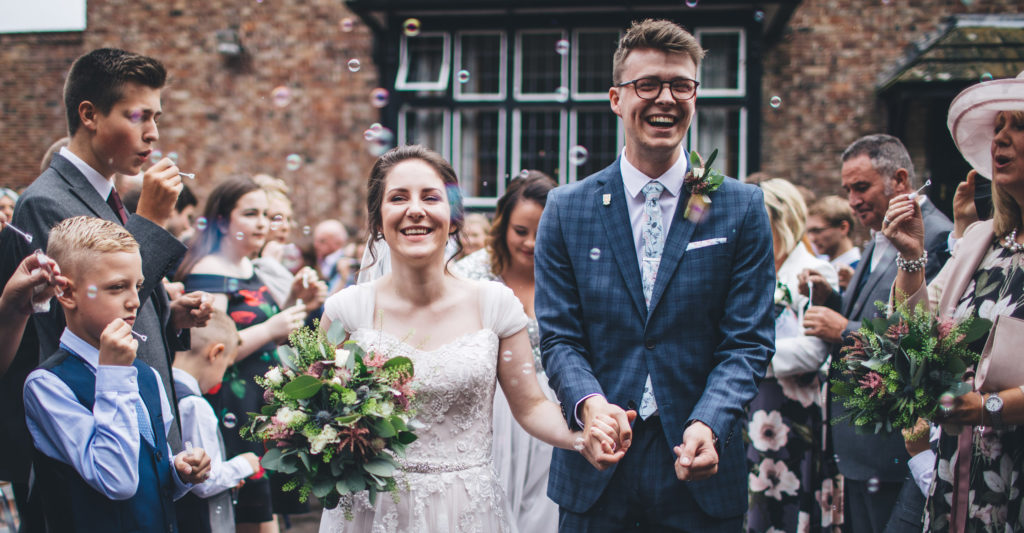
317,369
377,360
945,326
897,330
341,375
872,381
403,393
355,438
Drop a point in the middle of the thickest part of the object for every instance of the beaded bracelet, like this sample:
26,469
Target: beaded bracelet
911,266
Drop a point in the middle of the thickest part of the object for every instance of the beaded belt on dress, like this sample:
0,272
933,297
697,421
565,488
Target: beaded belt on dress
438,467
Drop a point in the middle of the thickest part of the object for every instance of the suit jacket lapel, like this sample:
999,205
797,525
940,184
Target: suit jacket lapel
852,294
79,185
886,264
679,235
615,217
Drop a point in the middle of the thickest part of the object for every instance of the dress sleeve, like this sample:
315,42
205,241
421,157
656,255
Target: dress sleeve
352,306
502,312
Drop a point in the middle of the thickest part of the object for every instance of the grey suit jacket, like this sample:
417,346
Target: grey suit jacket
865,456
62,192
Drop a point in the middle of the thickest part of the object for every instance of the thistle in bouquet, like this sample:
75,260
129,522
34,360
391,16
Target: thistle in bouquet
336,418
896,369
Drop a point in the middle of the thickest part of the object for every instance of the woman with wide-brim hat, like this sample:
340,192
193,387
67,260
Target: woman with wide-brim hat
977,484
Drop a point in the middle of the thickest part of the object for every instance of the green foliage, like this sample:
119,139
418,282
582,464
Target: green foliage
896,368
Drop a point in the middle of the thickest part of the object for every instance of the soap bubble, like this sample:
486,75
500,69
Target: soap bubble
986,76
691,3
354,65
230,420
173,156
382,142
232,285
281,96
155,156
758,15
578,155
506,355
523,174
201,223
595,254
379,97
527,368
873,485
239,236
347,24
775,102
91,291
276,221
306,230
293,161
562,47
411,27
562,93
463,76
513,382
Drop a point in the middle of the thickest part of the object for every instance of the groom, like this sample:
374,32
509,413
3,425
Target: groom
640,307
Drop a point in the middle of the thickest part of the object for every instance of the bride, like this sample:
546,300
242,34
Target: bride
454,330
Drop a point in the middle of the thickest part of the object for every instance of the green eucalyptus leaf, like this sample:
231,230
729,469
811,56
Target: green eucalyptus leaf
288,356
711,159
272,459
380,467
342,487
302,387
348,420
382,428
323,486
336,333
978,328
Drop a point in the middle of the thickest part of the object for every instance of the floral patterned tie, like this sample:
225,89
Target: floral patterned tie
653,243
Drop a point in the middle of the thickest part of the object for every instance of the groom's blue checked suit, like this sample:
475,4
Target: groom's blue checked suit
705,342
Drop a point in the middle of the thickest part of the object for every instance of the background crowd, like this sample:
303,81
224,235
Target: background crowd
237,253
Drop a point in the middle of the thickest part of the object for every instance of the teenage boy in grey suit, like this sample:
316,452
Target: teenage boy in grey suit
112,100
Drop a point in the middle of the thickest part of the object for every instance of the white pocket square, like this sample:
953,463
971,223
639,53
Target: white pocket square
704,244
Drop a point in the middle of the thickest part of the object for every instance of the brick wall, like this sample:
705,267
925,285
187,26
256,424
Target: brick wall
825,70
219,115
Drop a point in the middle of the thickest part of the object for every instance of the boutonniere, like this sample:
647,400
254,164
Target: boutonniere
701,180
783,297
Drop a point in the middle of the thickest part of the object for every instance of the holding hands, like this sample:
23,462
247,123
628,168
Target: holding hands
607,433
696,457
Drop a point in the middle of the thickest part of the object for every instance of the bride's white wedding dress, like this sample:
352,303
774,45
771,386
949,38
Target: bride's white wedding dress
451,482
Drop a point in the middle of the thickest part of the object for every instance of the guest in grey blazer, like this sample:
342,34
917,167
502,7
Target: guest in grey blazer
113,102
876,168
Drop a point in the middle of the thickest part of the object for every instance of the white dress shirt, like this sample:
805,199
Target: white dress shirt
102,445
199,426
633,181
102,185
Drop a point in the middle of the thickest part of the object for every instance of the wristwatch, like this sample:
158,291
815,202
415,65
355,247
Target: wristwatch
994,406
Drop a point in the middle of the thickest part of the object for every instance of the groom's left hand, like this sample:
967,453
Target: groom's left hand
696,457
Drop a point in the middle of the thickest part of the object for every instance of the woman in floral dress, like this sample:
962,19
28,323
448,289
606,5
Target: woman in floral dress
785,426
236,226
977,483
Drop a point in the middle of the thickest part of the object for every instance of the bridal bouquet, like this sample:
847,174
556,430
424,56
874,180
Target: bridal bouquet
335,417
898,368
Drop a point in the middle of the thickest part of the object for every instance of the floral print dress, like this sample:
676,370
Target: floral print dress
997,454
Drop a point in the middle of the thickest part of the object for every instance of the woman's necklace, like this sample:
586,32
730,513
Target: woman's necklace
1010,243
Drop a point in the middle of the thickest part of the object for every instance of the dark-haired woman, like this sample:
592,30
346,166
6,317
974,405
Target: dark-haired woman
521,460
453,329
219,263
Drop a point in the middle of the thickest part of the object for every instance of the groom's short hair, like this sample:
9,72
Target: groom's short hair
663,35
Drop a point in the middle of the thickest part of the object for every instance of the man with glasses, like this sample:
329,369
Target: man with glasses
829,224
647,313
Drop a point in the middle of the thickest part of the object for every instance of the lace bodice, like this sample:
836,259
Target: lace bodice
455,386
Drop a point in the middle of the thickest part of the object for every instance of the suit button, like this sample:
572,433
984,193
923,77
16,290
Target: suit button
649,344
159,457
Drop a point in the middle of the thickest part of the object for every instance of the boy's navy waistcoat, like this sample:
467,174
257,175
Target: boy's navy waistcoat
70,504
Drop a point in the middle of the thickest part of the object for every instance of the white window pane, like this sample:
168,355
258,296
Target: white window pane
596,131
481,64
593,54
539,141
426,127
720,68
424,62
479,152
718,128
540,64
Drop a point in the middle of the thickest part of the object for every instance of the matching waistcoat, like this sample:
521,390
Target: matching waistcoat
70,504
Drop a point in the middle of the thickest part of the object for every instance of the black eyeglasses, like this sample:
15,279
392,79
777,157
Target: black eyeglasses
649,88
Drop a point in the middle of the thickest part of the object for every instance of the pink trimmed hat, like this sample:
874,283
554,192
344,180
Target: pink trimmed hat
972,118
